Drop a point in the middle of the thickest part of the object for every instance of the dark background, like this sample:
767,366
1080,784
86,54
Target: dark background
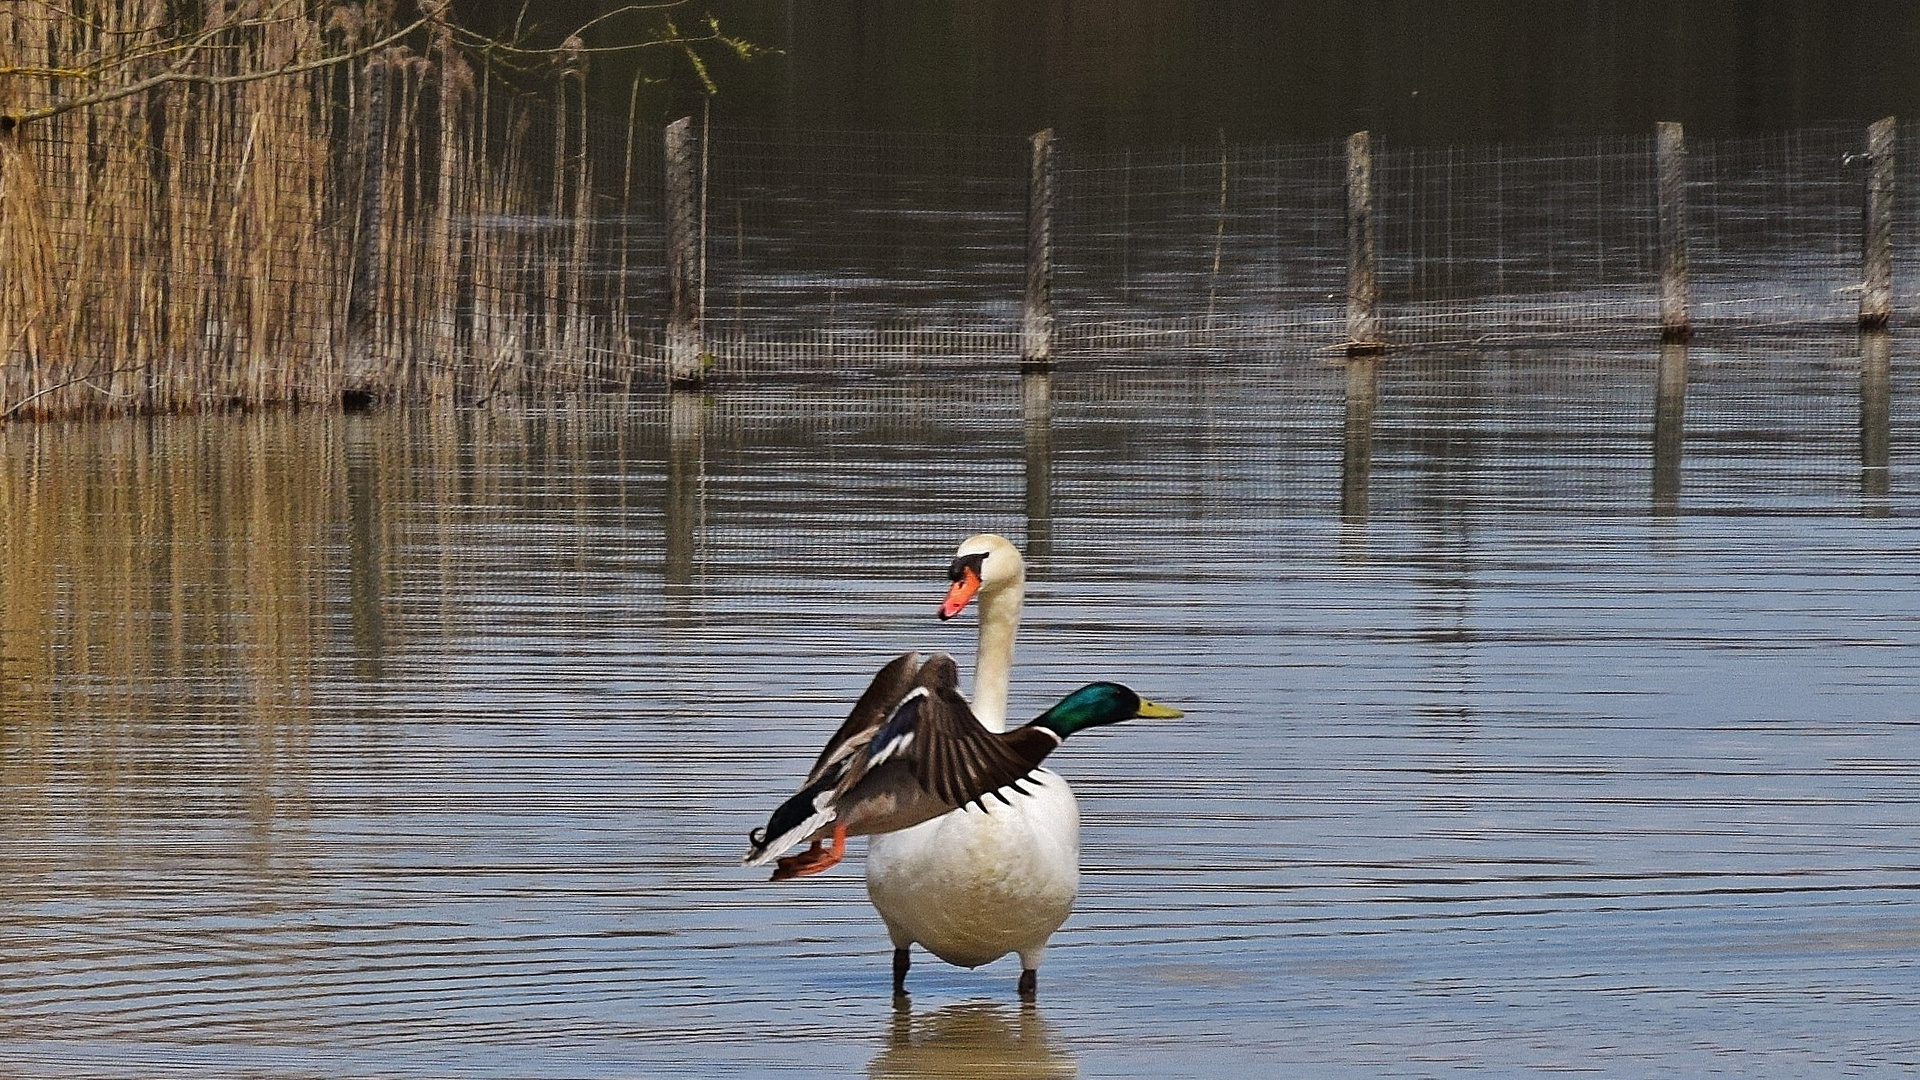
1132,72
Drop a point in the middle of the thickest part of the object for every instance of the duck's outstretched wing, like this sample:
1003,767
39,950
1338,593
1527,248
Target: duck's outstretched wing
876,704
936,737
839,765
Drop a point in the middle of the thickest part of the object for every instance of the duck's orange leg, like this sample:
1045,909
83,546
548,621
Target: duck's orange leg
814,859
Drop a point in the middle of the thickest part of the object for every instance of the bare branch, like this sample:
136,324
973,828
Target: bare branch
177,73
182,58
573,46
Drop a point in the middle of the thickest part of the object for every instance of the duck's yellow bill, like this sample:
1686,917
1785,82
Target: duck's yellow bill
1150,711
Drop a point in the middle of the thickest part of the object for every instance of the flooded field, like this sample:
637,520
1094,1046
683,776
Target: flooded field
1517,740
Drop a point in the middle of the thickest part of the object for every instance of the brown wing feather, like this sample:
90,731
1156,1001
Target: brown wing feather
883,701
956,758
876,704
950,757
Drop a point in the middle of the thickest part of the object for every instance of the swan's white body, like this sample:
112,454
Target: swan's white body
979,883
994,877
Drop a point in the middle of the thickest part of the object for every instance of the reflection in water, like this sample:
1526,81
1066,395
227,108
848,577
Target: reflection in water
1036,410
974,1039
364,547
161,585
686,469
130,551
516,852
1875,392
1669,426
1356,460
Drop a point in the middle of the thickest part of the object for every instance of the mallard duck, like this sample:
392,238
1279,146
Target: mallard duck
889,768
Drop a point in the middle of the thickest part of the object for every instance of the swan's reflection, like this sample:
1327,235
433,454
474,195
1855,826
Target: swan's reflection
974,1039
1669,426
1875,393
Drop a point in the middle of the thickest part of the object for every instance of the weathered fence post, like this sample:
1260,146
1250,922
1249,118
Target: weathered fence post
1670,168
1036,325
684,345
1876,242
1363,287
363,288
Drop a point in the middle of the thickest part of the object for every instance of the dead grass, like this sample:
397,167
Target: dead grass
196,247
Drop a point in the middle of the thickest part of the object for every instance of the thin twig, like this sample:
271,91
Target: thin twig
78,380
194,78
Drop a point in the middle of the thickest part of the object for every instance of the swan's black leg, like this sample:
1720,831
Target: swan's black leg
1029,984
902,960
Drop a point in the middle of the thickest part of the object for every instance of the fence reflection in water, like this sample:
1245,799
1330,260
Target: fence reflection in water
424,742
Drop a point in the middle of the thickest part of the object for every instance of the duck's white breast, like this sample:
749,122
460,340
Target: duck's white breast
981,882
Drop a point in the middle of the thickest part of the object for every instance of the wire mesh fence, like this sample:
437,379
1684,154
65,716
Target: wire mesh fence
825,251
1516,240
517,246
1778,238
1225,247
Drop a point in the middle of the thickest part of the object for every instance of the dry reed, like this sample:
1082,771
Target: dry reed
194,246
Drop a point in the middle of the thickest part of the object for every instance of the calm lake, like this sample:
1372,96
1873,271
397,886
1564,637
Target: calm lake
426,744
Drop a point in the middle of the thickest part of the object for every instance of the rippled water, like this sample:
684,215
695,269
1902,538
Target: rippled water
426,744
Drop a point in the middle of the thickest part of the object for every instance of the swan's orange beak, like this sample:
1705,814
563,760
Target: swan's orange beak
960,592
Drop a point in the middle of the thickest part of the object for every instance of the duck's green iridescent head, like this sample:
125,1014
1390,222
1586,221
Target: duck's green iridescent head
1099,703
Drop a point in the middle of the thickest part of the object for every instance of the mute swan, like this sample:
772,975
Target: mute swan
997,875
985,880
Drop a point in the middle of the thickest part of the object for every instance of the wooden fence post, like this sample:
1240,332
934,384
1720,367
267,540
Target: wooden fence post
1363,286
1036,325
1876,242
684,345
363,288
1670,167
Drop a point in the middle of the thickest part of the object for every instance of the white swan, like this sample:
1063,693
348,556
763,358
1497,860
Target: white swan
990,878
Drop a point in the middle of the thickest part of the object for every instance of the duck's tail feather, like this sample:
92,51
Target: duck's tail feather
793,821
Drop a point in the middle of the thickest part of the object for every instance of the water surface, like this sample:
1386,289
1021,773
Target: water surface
425,744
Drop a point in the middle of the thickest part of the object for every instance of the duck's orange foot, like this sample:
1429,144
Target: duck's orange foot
814,860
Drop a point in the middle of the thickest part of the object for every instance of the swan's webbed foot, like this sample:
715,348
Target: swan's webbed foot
813,860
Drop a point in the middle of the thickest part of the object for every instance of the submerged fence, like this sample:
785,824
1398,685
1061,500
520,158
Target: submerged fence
1233,248
399,232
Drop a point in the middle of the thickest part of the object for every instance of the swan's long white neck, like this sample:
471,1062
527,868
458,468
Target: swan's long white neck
993,666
